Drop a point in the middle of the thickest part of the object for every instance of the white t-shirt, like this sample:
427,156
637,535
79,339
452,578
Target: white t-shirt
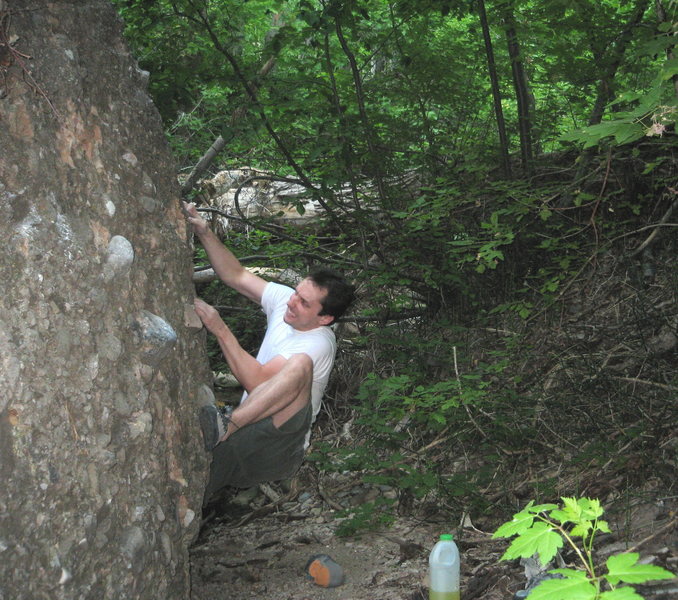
319,343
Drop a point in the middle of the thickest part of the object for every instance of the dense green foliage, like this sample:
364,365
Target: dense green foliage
479,227
375,87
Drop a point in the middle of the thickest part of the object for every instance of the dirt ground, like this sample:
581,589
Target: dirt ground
257,545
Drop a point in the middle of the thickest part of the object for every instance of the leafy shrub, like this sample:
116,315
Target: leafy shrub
544,529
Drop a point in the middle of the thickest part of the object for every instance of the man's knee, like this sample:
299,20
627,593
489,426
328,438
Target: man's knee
301,365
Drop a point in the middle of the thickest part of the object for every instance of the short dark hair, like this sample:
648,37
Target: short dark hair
340,294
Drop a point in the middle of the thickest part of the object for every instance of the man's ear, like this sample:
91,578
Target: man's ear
326,319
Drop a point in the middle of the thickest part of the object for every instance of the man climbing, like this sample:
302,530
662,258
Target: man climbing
264,438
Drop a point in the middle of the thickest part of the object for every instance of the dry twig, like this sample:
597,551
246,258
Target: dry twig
9,56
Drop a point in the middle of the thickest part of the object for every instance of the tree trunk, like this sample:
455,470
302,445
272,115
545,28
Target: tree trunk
521,88
374,164
605,93
496,95
664,17
102,369
523,95
606,84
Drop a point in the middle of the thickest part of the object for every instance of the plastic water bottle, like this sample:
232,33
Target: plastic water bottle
444,569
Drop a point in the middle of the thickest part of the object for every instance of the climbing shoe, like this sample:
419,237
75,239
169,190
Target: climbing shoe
214,422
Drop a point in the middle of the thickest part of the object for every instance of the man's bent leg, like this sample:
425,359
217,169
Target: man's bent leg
281,397
259,450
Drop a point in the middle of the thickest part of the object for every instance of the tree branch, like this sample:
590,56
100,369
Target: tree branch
360,97
251,92
329,256
202,165
656,229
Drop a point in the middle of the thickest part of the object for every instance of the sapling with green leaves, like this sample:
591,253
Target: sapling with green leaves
543,529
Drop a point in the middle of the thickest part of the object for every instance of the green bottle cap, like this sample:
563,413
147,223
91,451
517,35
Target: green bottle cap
446,537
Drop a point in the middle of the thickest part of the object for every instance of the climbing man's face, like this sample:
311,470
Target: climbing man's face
304,306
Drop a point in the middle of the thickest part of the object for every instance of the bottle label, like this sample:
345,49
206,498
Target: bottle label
433,595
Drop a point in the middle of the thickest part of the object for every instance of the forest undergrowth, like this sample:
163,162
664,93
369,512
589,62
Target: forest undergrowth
551,373
514,345
580,401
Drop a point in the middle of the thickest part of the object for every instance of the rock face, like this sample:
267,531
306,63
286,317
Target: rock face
102,467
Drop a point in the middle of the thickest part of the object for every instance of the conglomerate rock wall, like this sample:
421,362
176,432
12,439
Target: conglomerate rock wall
102,366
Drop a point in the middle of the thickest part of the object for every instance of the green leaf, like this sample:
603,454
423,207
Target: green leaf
624,567
521,522
591,508
578,511
670,68
622,593
649,167
581,530
628,132
564,589
540,539
603,526
564,516
570,573
625,98
622,131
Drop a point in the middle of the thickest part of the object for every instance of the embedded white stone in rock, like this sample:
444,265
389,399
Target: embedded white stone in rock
120,255
154,336
141,423
133,546
131,158
188,517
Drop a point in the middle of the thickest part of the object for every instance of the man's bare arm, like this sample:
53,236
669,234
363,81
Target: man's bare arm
224,262
246,369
